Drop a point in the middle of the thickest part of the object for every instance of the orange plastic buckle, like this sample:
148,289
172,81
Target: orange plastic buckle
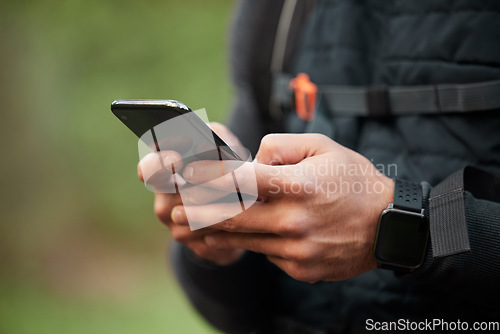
305,96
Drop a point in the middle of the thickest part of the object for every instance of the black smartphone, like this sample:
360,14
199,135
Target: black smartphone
159,125
147,116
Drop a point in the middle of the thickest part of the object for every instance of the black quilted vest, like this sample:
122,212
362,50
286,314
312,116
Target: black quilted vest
412,42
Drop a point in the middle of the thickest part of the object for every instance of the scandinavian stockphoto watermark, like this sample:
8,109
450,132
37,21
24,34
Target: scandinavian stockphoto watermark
332,178
192,141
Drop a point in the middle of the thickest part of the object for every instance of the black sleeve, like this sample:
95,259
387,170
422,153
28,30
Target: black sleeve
234,298
464,255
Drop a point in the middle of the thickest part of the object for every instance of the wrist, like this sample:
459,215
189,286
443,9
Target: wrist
384,198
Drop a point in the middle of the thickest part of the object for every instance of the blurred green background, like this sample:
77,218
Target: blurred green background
81,250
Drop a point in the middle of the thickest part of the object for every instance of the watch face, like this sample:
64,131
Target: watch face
402,239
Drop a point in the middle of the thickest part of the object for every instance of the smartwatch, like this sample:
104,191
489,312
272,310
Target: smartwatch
403,230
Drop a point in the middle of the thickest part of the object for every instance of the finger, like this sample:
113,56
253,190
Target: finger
201,195
157,169
218,256
259,218
183,234
269,244
246,177
288,149
163,205
156,162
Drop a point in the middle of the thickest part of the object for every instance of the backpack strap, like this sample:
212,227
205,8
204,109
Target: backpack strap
292,17
379,101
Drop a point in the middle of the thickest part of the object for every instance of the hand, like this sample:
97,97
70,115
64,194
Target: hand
164,201
318,210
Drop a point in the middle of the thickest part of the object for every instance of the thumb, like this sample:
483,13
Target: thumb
289,149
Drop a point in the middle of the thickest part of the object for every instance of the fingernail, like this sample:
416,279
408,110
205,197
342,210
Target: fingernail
210,241
176,216
188,173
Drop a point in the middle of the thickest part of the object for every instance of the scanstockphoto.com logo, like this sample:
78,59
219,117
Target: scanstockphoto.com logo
165,151
430,325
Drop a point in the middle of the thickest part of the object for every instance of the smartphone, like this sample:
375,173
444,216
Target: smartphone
159,125
144,117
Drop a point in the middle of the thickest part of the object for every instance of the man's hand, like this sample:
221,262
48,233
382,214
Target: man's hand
164,202
318,207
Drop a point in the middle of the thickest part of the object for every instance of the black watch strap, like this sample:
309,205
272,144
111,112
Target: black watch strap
407,196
